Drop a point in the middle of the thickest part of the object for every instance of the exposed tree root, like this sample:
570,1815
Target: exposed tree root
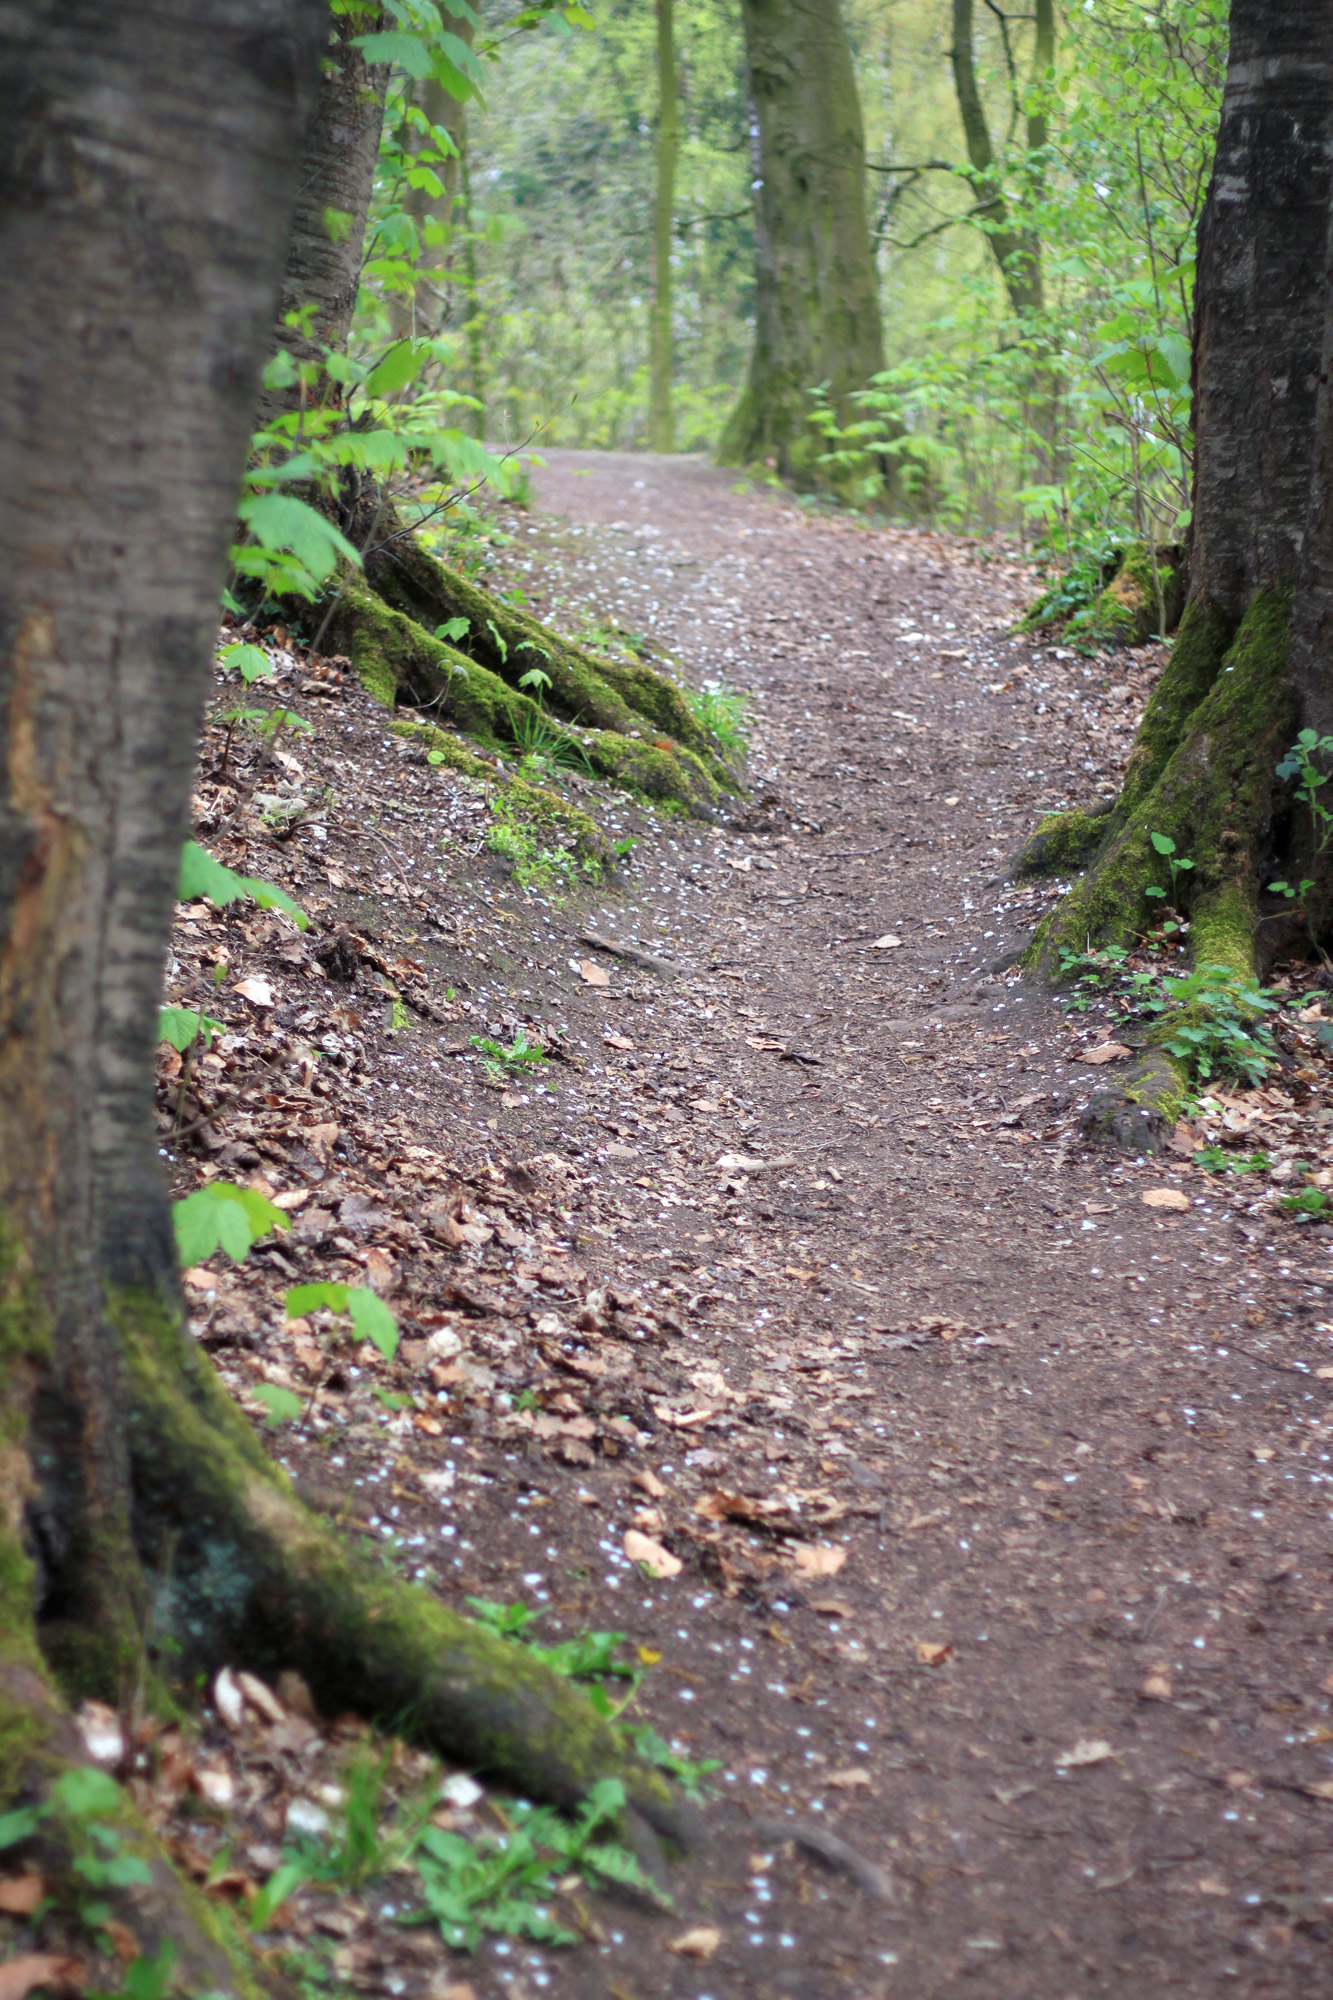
257,1579
632,723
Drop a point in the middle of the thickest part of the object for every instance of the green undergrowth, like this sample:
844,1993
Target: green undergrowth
1213,1019
1113,594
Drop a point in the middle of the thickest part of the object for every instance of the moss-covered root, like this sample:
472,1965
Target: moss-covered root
1214,796
258,1579
1130,608
1062,841
395,658
1137,1113
600,693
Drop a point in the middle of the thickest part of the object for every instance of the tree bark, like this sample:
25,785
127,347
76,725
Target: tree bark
1017,252
817,316
146,182
1249,665
328,232
437,216
661,427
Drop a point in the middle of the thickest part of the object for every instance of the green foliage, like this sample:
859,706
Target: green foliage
1216,1160
371,1318
182,1028
1166,847
1303,763
1216,1024
222,1216
1312,1202
201,875
505,1882
252,663
522,1054
724,711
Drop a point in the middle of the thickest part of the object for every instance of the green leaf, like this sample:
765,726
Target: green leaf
401,365
454,629
182,1028
372,1320
17,1826
282,1405
1163,843
222,1216
87,1793
405,52
303,1299
202,875
251,662
291,1875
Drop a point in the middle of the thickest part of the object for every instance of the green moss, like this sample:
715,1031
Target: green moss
25,1340
1062,841
656,772
452,754
1137,1113
1213,794
1196,658
1223,925
543,808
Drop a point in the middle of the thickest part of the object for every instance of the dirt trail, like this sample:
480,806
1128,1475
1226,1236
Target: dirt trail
1002,1498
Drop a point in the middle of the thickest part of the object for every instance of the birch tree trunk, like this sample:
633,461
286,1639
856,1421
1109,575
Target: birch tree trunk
817,316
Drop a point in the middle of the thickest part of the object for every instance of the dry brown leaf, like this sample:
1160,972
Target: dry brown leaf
658,1561
1322,1788
592,974
255,989
1106,1052
1156,1688
1088,1750
817,1559
701,1942
648,1482
616,1041
849,1780
1164,1198
886,943
37,1968
933,1652
1182,1140
20,1894
1208,1885
833,1607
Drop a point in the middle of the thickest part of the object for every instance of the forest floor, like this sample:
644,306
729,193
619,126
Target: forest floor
995,1499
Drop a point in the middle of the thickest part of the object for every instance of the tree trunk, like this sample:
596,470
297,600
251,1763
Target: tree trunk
816,296
437,216
645,734
1203,767
328,233
661,429
147,185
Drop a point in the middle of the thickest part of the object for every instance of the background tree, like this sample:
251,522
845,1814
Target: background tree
662,430
817,317
1204,768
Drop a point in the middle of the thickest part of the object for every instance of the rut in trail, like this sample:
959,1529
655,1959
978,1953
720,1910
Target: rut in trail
999,1495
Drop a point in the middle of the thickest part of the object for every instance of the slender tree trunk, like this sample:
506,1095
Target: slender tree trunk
437,216
337,177
668,147
475,323
817,314
1250,662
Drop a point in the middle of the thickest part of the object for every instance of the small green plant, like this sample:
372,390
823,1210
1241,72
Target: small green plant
519,1058
724,711
370,1317
1216,1160
1218,1026
1301,763
88,1808
543,742
453,629
1311,1201
223,1216
505,1881
252,663
1094,974
1178,865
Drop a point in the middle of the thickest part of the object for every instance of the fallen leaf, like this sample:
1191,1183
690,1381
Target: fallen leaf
1164,1198
648,1482
817,1559
833,1607
1322,1788
261,1697
1156,1688
615,1151
933,1652
616,1041
1208,1885
1182,1140
1240,1781
1088,1750
886,943
593,975
701,1942
658,1561
20,1894
228,1699
848,1781
36,1968
292,1198
255,989
1105,1053
765,1042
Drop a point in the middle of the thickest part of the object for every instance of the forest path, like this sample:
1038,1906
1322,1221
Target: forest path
1069,1682
997,1499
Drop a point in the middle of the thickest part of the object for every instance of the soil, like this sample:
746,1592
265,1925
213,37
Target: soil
999,1495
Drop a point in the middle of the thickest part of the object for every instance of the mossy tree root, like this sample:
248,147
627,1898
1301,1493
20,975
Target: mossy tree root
396,657
1203,774
257,1579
